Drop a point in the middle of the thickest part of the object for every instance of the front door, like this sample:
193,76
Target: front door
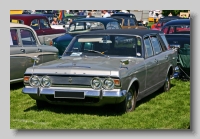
29,43
17,57
35,24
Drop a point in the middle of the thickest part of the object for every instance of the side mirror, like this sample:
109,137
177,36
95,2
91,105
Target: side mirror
64,26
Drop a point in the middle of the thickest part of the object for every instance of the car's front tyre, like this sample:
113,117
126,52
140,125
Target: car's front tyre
129,102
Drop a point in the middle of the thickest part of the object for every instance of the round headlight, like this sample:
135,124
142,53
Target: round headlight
34,81
46,81
96,83
108,84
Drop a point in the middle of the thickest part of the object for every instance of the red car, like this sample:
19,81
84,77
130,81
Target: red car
40,24
162,21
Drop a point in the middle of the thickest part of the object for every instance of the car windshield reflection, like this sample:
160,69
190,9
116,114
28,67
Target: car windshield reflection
109,45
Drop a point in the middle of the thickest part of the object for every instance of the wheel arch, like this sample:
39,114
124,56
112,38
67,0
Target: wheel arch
134,83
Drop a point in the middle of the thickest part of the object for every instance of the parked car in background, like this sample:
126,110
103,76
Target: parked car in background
104,67
162,21
129,23
84,25
66,21
181,42
181,26
40,24
24,44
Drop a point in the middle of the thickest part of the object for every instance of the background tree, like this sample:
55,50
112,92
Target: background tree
174,12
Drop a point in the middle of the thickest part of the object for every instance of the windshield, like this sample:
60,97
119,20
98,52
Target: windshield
107,45
83,26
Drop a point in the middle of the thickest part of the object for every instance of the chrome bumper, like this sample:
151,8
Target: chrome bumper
88,92
104,96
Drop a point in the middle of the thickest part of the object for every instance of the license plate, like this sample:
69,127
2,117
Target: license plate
75,95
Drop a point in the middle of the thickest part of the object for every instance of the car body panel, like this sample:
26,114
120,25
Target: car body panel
74,71
21,52
44,34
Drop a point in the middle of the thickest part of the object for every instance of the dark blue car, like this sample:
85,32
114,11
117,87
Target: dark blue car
83,25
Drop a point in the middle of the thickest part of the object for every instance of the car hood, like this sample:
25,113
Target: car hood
64,37
104,66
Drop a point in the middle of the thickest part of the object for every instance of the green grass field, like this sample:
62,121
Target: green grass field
170,110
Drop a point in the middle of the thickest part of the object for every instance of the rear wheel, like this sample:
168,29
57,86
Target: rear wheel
129,102
167,84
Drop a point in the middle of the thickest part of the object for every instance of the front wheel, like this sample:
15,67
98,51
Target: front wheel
129,102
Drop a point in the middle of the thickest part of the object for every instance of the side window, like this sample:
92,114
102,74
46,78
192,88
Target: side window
132,22
165,29
13,37
112,25
127,46
27,37
156,44
171,30
165,41
35,24
148,47
44,24
125,22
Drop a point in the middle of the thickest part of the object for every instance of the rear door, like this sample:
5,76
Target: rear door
152,68
17,56
161,58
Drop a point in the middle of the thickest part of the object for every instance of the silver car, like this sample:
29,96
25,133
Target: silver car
104,67
24,44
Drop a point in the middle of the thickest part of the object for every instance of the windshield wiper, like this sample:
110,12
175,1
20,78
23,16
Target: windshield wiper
102,53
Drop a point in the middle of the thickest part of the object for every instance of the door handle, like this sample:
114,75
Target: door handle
22,50
156,60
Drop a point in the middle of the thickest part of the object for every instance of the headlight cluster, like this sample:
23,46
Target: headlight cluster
35,81
107,83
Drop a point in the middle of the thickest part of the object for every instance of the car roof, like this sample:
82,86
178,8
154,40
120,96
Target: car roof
139,32
178,22
100,19
23,16
122,14
19,25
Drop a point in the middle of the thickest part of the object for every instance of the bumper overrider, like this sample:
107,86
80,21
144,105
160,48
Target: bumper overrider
75,96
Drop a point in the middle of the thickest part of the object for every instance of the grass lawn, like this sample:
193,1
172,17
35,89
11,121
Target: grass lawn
170,110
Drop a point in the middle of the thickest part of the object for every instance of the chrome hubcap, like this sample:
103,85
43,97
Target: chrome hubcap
130,101
167,83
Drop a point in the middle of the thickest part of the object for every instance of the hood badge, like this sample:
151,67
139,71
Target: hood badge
70,80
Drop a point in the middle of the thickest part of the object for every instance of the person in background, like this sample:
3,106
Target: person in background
81,12
106,14
55,21
89,15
